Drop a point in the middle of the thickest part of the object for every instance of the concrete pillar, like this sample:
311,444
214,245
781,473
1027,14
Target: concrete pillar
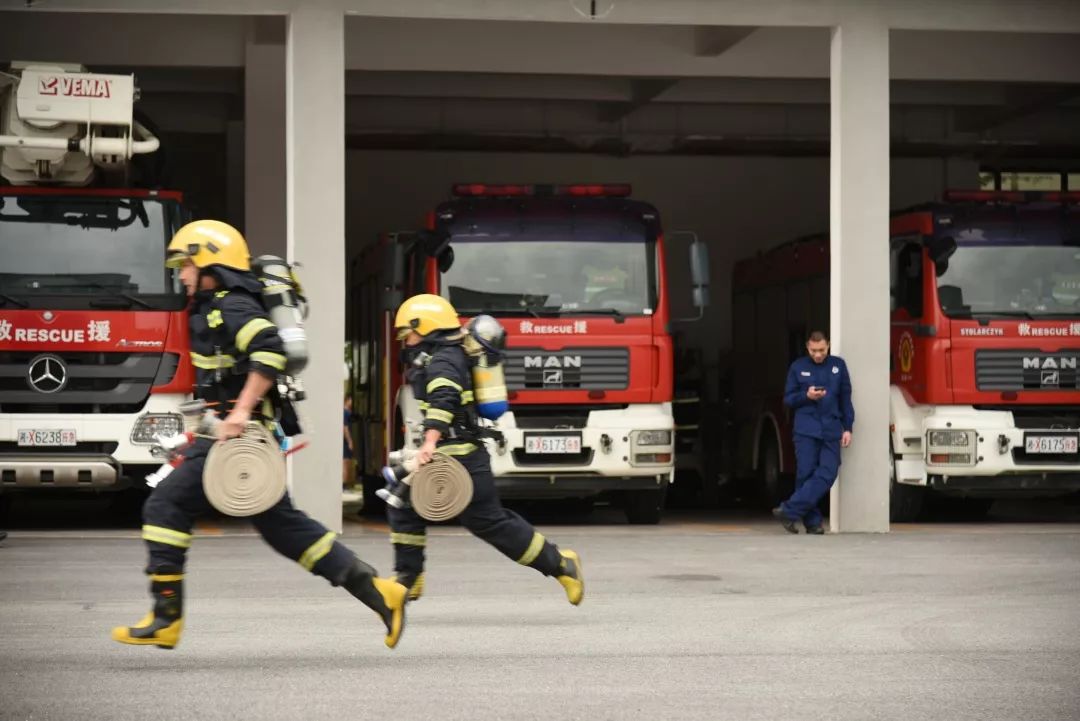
859,231
315,147
264,136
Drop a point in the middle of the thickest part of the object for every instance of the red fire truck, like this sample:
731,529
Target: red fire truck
985,340
576,275
93,333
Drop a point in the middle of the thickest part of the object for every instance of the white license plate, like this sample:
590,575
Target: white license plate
50,437
553,444
1051,444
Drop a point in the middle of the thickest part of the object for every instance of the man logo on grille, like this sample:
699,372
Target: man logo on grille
1051,379
47,374
553,377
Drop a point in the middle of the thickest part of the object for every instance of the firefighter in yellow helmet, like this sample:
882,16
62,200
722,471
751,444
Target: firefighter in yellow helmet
237,354
439,373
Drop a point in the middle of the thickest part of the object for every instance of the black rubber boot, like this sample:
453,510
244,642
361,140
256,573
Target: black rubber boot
162,626
384,596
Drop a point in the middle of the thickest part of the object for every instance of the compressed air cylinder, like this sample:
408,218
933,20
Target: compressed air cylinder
489,383
489,388
283,305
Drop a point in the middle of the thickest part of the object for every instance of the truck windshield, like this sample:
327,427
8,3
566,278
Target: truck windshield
1021,280
81,245
550,276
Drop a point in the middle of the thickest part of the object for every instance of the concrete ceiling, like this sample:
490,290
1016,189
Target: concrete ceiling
618,89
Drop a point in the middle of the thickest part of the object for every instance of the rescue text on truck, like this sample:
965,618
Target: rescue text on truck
93,335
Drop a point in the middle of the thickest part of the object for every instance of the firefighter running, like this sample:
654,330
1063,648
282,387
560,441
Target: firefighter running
440,376
238,354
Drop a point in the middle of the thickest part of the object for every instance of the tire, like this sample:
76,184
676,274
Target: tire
645,507
774,486
905,502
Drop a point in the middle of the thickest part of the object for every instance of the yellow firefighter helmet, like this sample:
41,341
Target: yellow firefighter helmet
425,313
206,243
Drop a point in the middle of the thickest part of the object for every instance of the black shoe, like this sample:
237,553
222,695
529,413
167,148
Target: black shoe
787,523
815,530
3,535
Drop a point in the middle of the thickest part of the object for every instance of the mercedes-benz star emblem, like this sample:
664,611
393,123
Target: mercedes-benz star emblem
47,374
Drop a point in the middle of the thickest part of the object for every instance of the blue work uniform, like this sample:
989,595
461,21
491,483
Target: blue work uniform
819,426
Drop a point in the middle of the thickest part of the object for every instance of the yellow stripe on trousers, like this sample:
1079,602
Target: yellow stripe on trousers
316,551
535,546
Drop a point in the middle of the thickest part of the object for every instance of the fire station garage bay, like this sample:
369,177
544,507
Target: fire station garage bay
658,201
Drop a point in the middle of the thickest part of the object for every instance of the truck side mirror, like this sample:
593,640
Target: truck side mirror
394,272
940,250
699,271
445,259
437,245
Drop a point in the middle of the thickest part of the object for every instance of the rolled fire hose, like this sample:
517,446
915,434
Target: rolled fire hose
440,490
245,476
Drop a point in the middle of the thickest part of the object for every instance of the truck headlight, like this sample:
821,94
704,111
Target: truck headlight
950,439
150,425
654,438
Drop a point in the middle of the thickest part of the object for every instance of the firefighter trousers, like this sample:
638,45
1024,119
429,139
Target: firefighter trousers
484,517
170,512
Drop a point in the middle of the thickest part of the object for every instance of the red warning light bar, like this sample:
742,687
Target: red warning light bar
577,190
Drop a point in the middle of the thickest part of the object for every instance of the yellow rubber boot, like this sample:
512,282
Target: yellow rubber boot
384,596
416,590
163,625
394,597
571,577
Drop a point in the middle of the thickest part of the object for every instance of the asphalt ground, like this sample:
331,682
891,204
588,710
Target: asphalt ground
706,616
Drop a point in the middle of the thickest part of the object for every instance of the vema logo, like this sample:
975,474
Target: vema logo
74,87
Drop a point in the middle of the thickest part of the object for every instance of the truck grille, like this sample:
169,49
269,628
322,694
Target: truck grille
570,368
88,382
1023,370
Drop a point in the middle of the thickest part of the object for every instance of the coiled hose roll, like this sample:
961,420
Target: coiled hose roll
245,476
441,489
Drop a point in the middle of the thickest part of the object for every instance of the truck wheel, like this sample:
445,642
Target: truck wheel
774,486
905,502
645,507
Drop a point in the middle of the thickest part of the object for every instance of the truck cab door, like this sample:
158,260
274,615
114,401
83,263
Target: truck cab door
909,331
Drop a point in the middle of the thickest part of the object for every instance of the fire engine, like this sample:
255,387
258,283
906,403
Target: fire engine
985,349
93,329
576,275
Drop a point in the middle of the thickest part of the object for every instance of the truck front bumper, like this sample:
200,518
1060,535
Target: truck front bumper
611,458
999,460
103,457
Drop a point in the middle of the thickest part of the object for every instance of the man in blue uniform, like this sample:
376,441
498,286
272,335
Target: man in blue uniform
818,390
